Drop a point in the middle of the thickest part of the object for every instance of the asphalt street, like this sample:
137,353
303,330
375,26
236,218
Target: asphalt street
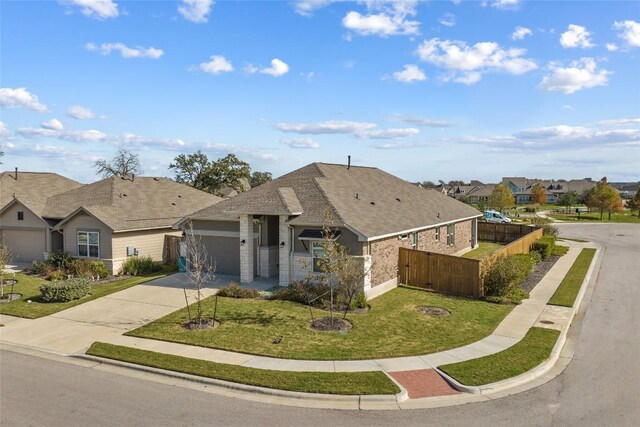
601,386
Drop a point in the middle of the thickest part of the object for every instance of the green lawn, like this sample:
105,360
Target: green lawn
534,349
29,287
566,293
560,250
348,383
595,217
391,328
483,249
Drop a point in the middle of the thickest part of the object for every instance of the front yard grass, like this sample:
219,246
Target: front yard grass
625,217
534,349
568,290
483,249
29,287
348,383
393,327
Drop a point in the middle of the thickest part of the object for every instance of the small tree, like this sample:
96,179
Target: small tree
634,203
6,257
258,178
124,163
539,194
501,197
602,197
568,199
616,205
199,271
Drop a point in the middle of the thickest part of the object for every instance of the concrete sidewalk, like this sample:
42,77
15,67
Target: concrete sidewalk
532,312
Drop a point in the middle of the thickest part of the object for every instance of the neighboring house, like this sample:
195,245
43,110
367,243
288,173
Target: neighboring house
522,188
275,230
481,193
24,227
117,217
460,191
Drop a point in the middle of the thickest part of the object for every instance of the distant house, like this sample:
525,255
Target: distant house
275,230
111,219
522,188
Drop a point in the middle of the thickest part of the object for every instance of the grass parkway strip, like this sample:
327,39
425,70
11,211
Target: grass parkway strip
29,287
568,290
344,383
534,349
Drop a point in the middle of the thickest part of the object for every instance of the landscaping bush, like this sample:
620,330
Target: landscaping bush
544,246
54,274
535,256
303,292
136,266
550,230
507,274
539,221
361,300
88,268
64,291
60,260
235,291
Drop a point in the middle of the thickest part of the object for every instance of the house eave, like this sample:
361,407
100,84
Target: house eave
411,230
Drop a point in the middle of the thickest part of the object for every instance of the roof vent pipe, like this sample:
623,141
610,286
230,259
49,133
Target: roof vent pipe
348,162
16,177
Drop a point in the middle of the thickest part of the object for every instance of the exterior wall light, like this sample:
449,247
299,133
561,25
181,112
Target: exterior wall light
242,242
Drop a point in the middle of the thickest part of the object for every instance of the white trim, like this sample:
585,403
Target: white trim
370,239
380,289
217,233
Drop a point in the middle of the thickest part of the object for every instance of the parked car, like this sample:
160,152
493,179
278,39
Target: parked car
493,216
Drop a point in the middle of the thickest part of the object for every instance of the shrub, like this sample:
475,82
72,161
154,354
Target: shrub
507,274
361,300
55,274
61,260
550,230
88,268
64,291
535,256
544,246
539,221
136,266
303,292
235,291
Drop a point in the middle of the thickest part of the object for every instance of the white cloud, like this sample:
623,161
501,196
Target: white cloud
567,107
195,10
4,131
304,142
125,51
582,74
448,19
384,18
620,122
308,76
98,9
53,124
520,33
20,98
307,7
421,121
468,63
78,112
630,32
576,36
237,149
409,74
218,64
278,68
505,4
611,47
362,130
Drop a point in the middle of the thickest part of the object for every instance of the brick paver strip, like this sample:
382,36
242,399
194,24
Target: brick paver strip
423,383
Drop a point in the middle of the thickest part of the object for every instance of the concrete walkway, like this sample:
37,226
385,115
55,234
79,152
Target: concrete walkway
532,312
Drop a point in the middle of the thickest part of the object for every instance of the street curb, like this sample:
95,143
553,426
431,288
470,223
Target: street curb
545,366
275,396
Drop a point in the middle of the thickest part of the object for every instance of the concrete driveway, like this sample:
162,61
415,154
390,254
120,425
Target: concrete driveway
75,329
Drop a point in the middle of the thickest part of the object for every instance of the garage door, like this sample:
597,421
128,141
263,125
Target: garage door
25,245
225,252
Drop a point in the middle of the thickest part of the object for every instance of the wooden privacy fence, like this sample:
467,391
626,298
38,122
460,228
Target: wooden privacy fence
441,273
171,249
463,276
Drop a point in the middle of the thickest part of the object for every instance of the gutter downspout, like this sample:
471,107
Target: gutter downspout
291,244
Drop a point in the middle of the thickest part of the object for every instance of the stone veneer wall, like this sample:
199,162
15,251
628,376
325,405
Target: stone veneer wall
384,252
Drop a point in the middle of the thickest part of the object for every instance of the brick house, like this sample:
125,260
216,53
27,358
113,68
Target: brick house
274,230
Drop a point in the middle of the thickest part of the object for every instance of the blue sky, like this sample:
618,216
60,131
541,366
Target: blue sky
424,90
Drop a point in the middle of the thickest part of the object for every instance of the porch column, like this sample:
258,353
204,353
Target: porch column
246,248
284,251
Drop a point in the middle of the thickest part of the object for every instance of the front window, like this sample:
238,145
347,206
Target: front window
414,240
451,234
20,216
438,233
317,253
88,244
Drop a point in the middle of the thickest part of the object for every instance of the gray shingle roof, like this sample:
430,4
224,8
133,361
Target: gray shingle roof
368,200
33,188
126,204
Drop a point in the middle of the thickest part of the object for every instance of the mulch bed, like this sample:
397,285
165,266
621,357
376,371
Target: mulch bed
538,273
9,297
326,324
205,324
